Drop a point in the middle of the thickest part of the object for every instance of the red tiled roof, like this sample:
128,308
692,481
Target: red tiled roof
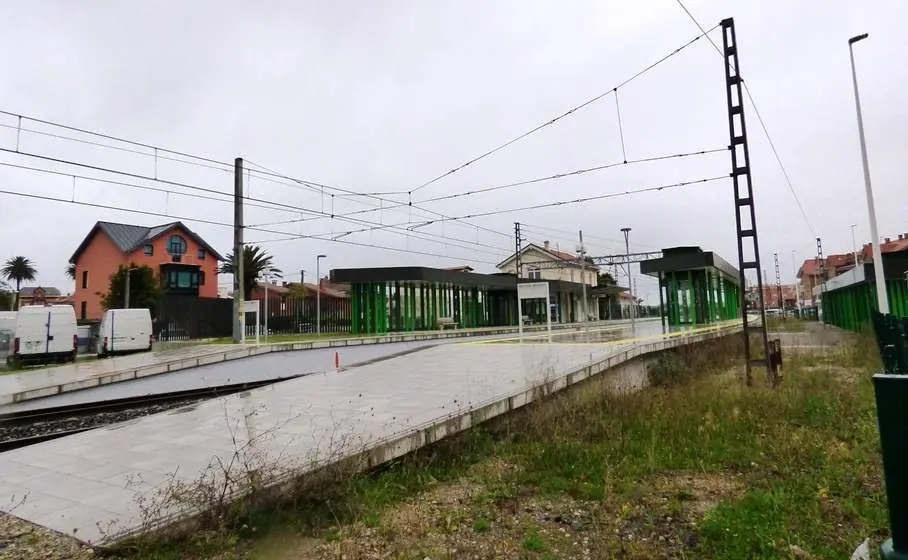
561,254
811,267
839,261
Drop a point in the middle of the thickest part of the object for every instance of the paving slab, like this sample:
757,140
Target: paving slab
41,383
98,486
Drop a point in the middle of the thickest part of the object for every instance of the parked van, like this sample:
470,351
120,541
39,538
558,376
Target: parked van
44,334
125,331
7,332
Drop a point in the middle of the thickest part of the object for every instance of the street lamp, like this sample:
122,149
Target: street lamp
126,295
318,294
882,297
627,249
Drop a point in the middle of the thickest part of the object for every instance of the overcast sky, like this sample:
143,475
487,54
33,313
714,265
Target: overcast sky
377,96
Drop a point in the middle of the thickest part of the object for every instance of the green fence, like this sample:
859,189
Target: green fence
851,307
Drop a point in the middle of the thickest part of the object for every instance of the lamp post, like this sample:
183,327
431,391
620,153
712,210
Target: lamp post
126,295
318,294
881,296
266,307
627,249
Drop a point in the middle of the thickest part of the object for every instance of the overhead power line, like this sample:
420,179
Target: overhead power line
278,205
395,203
116,138
153,154
519,183
571,174
140,187
522,208
561,116
229,225
753,103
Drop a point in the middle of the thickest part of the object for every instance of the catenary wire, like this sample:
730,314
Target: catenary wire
296,209
118,148
395,203
116,138
223,224
753,103
535,206
561,116
528,182
141,187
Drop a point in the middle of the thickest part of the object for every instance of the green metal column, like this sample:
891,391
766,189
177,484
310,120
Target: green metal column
673,303
355,325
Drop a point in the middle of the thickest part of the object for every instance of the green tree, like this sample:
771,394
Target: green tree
71,271
256,264
19,269
144,289
606,279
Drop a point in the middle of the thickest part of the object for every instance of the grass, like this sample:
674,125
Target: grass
702,467
481,525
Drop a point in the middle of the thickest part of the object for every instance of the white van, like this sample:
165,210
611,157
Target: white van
45,333
7,332
124,331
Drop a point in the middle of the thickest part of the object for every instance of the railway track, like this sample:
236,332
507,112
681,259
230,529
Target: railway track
21,429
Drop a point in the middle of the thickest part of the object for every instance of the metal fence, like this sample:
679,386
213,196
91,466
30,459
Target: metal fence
297,315
181,318
187,318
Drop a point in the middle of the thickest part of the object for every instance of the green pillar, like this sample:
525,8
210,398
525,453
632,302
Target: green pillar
674,304
355,325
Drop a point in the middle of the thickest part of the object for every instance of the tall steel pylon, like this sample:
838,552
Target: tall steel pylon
745,214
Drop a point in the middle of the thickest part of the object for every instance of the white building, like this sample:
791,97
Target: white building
568,278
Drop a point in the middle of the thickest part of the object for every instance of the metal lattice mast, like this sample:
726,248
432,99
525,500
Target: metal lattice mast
517,246
745,214
775,257
822,263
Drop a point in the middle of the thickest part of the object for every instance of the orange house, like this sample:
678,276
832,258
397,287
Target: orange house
185,263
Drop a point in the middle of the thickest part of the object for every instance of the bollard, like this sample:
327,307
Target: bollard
892,416
337,360
891,391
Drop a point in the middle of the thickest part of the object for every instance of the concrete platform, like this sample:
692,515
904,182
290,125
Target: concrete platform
108,483
39,383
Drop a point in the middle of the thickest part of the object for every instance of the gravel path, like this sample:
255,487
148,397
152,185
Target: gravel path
20,540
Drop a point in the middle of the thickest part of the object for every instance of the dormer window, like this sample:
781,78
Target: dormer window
176,246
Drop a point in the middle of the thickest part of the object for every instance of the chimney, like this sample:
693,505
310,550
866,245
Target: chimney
901,236
888,240
546,245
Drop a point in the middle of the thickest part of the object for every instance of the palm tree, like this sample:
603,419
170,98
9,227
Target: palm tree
256,264
71,271
18,269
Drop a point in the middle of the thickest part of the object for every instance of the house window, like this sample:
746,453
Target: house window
176,246
533,273
84,279
149,250
83,311
201,254
182,279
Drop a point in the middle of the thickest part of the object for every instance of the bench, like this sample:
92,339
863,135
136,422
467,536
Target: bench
445,322
527,320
